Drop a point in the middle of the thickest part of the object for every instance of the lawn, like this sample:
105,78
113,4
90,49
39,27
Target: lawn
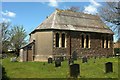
45,70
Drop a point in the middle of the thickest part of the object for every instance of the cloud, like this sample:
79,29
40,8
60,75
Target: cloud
92,8
8,14
6,20
95,3
53,3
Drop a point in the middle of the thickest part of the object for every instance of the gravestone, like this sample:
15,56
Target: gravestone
50,60
71,61
74,55
74,70
95,58
57,63
13,59
84,59
61,58
108,67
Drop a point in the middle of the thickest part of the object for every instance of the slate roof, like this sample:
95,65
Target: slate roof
76,21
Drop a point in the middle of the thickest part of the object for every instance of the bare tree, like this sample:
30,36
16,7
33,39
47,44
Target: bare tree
110,12
5,36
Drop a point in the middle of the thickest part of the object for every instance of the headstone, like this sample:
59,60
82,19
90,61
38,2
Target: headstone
84,59
50,60
95,58
74,55
13,59
71,61
109,67
74,70
57,63
61,58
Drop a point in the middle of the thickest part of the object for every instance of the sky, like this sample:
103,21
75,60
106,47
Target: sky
32,14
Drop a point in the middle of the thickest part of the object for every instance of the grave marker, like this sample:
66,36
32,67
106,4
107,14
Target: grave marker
57,63
74,55
61,58
50,60
84,59
74,70
13,59
108,67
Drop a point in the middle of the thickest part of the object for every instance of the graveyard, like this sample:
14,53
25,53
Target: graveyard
93,68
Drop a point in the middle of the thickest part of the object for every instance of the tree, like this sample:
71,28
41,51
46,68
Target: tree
111,13
17,39
5,36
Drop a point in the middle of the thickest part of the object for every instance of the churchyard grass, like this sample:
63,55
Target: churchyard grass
45,70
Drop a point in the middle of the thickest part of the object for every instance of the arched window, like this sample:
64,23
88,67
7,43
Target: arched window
82,41
103,41
63,40
87,41
106,41
57,40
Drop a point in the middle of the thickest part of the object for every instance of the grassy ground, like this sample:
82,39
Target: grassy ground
45,70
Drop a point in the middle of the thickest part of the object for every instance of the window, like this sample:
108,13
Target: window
107,42
87,41
63,40
57,40
103,42
82,41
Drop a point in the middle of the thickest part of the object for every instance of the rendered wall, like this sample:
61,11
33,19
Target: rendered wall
43,45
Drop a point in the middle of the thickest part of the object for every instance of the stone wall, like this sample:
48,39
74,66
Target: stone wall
95,45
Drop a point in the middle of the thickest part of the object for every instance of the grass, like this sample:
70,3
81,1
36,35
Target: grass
45,70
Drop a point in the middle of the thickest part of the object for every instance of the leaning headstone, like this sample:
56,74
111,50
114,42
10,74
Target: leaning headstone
74,55
57,63
50,60
74,70
84,59
108,67
71,61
